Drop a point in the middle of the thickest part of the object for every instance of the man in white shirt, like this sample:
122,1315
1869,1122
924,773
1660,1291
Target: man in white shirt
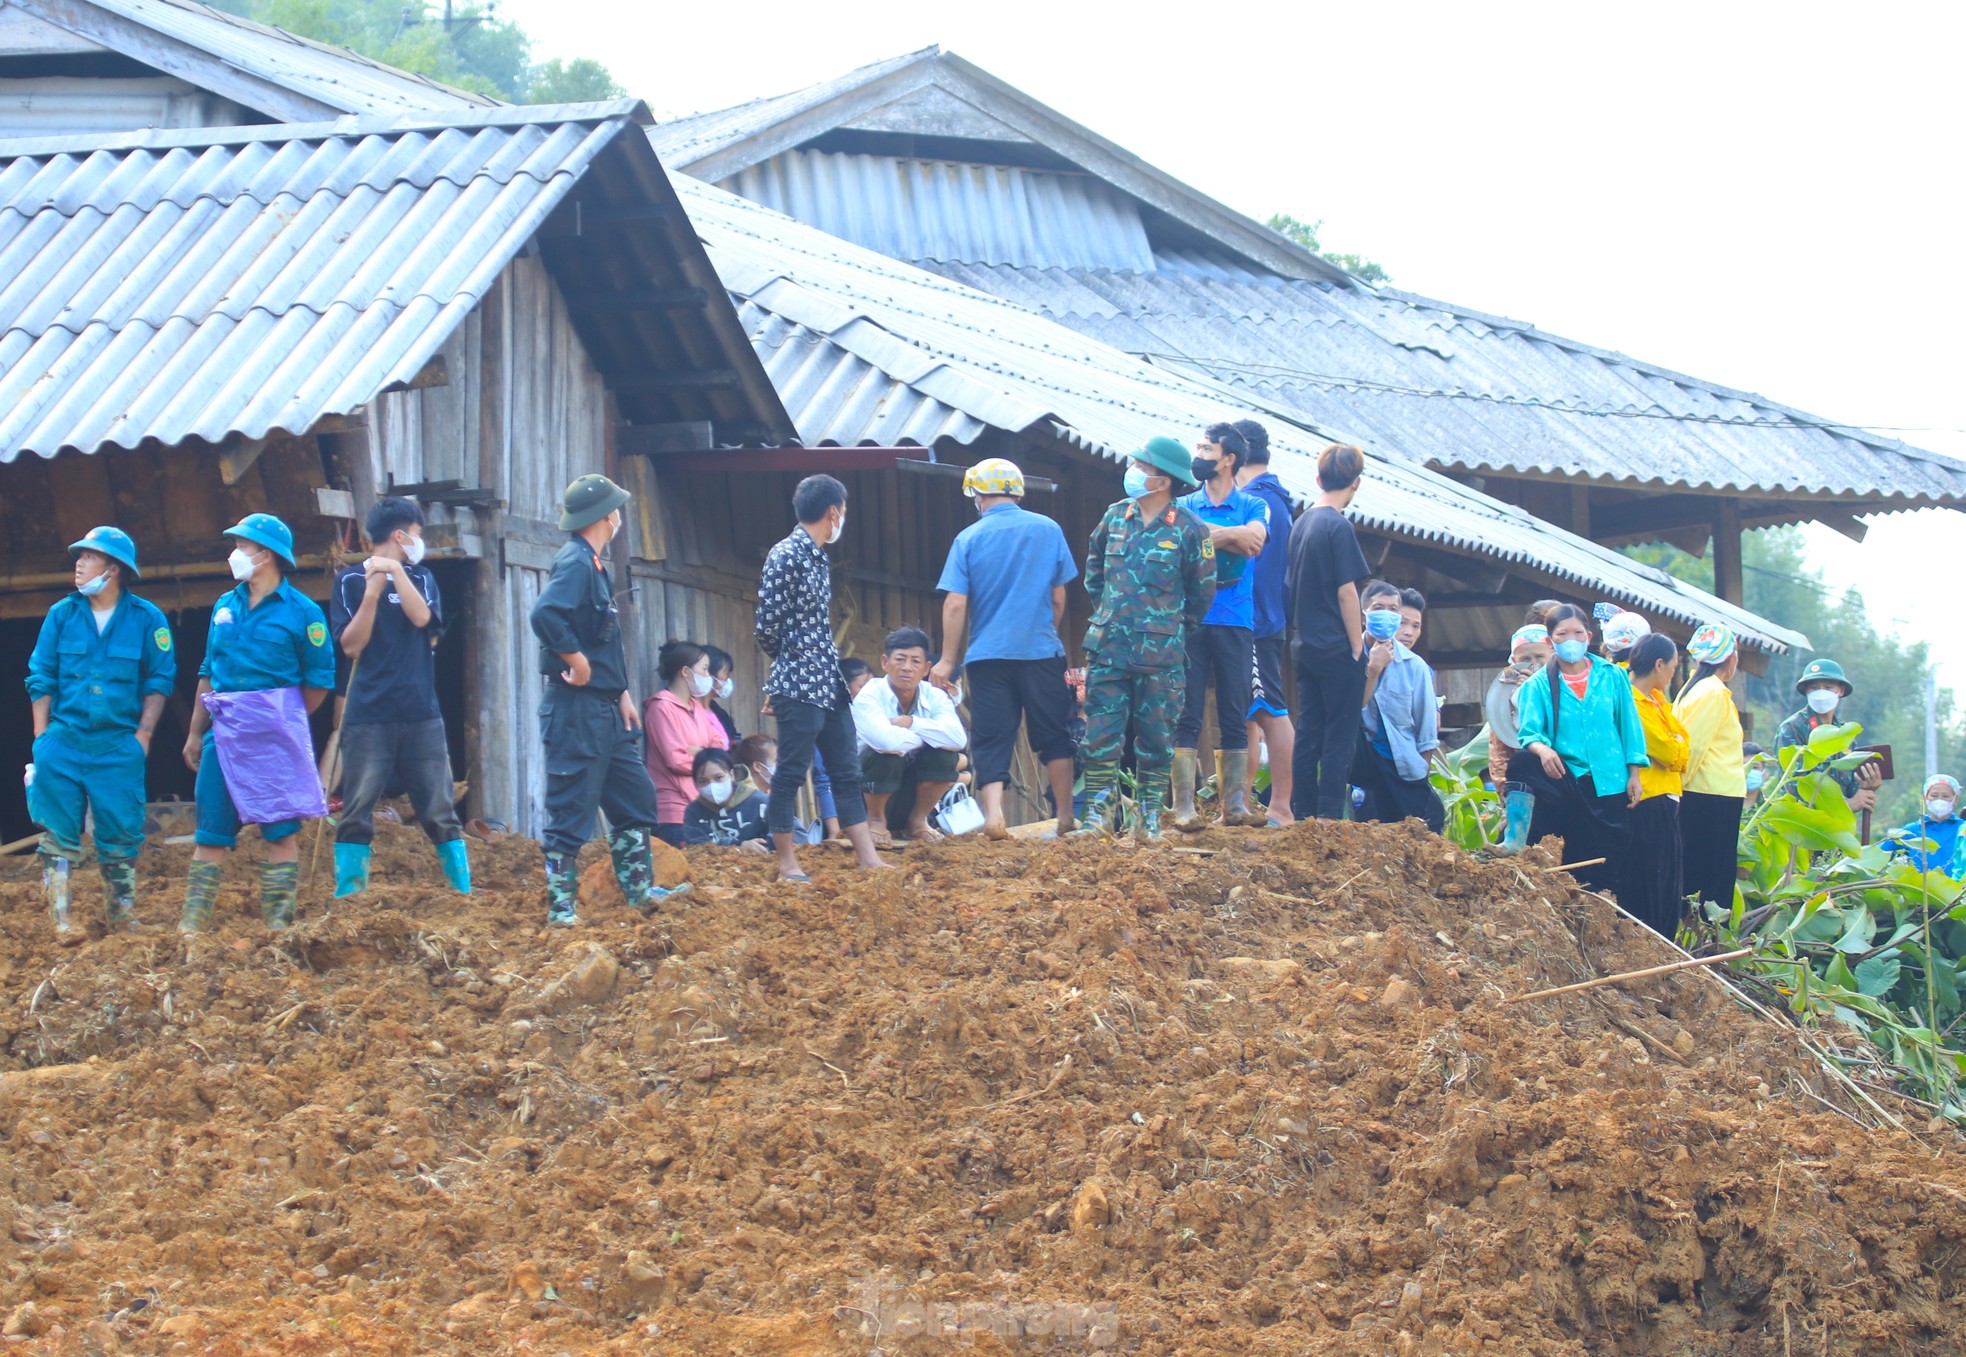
910,736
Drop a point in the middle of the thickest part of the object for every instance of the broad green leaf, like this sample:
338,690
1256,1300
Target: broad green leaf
1858,932
1838,974
1877,976
1807,827
1826,741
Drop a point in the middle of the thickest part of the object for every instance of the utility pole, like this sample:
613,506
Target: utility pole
1931,724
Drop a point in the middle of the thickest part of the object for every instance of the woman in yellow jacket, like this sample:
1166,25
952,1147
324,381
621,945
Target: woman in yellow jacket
1652,885
1716,773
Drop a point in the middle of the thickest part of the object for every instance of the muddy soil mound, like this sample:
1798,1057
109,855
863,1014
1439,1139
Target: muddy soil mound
1032,1097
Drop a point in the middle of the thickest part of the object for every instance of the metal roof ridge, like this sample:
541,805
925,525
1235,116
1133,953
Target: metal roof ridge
350,126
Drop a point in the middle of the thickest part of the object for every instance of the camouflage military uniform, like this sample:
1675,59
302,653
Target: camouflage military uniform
1151,584
1797,729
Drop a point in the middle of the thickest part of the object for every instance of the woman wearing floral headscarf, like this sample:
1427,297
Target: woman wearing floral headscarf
1716,781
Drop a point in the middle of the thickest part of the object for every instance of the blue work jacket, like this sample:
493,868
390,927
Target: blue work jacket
282,643
98,679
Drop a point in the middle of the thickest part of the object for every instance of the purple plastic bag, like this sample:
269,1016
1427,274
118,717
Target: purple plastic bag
266,752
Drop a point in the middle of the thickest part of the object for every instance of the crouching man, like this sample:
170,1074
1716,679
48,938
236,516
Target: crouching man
910,736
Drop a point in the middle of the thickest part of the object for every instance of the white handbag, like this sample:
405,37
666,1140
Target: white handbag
959,813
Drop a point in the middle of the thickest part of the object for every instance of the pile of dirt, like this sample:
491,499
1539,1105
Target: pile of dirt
1026,1096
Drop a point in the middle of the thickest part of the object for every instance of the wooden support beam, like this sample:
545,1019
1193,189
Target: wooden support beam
236,457
433,373
637,298
643,383
1727,552
1846,523
726,460
951,471
577,218
689,435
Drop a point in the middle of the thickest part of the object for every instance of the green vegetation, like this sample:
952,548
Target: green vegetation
1305,233
466,46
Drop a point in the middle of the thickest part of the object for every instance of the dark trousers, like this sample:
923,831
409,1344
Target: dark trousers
900,776
1710,838
593,762
376,755
1330,694
1003,693
1390,798
1227,655
1591,826
803,727
1652,884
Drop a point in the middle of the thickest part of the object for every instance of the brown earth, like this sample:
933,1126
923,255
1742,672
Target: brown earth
1140,1100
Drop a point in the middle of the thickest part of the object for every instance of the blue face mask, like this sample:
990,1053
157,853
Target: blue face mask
1136,482
1572,651
94,586
1382,624
1756,776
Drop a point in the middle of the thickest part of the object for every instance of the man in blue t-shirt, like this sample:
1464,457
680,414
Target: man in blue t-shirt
386,615
1222,648
1006,578
1269,699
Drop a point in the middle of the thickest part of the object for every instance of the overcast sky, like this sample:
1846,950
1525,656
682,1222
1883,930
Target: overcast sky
1762,195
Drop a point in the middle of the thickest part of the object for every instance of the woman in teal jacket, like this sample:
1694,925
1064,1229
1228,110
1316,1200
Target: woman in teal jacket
1583,748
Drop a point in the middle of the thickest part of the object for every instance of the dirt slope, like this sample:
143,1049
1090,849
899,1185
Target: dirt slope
1266,1101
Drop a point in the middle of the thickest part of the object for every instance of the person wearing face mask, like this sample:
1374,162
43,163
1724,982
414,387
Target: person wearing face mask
680,726
1932,842
97,679
1716,778
386,615
1823,688
265,635
1621,633
1654,887
725,812
722,666
1401,719
1223,648
1150,570
805,691
1326,569
1583,751
587,718
1002,623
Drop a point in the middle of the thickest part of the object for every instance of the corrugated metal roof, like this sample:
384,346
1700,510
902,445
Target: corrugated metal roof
198,284
960,213
867,326
333,77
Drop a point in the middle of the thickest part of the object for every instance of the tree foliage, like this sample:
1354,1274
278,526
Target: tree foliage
464,45
1304,233
1887,671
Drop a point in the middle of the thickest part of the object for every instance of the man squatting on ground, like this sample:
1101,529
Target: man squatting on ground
910,737
101,669
1005,579
386,615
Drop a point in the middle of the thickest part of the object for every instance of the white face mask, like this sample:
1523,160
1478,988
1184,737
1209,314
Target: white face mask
1938,809
725,688
242,564
767,771
413,550
717,790
701,684
1822,701
839,529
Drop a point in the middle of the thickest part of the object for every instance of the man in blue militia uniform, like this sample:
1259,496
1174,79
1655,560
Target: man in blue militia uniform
265,634
588,718
1150,569
100,672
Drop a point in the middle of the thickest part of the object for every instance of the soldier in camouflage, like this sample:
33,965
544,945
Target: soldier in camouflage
1150,569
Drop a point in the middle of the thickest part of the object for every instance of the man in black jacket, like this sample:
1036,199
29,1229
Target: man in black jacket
588,720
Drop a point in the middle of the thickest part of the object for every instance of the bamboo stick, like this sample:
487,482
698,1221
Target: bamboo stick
1634,975
1574,866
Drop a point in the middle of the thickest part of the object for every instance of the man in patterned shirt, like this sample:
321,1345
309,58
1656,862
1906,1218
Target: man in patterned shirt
804,692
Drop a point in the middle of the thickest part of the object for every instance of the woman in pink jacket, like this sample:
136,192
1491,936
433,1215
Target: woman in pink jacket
679,723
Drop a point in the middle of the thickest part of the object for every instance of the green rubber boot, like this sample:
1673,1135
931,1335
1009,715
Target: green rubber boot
119,892
562,889
55,875
1100,802
279,894
200,894
351,869
1147,827
456,860
1518,805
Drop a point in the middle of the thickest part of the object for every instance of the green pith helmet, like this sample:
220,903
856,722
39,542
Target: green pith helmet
1824,669
588,500
1170,455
